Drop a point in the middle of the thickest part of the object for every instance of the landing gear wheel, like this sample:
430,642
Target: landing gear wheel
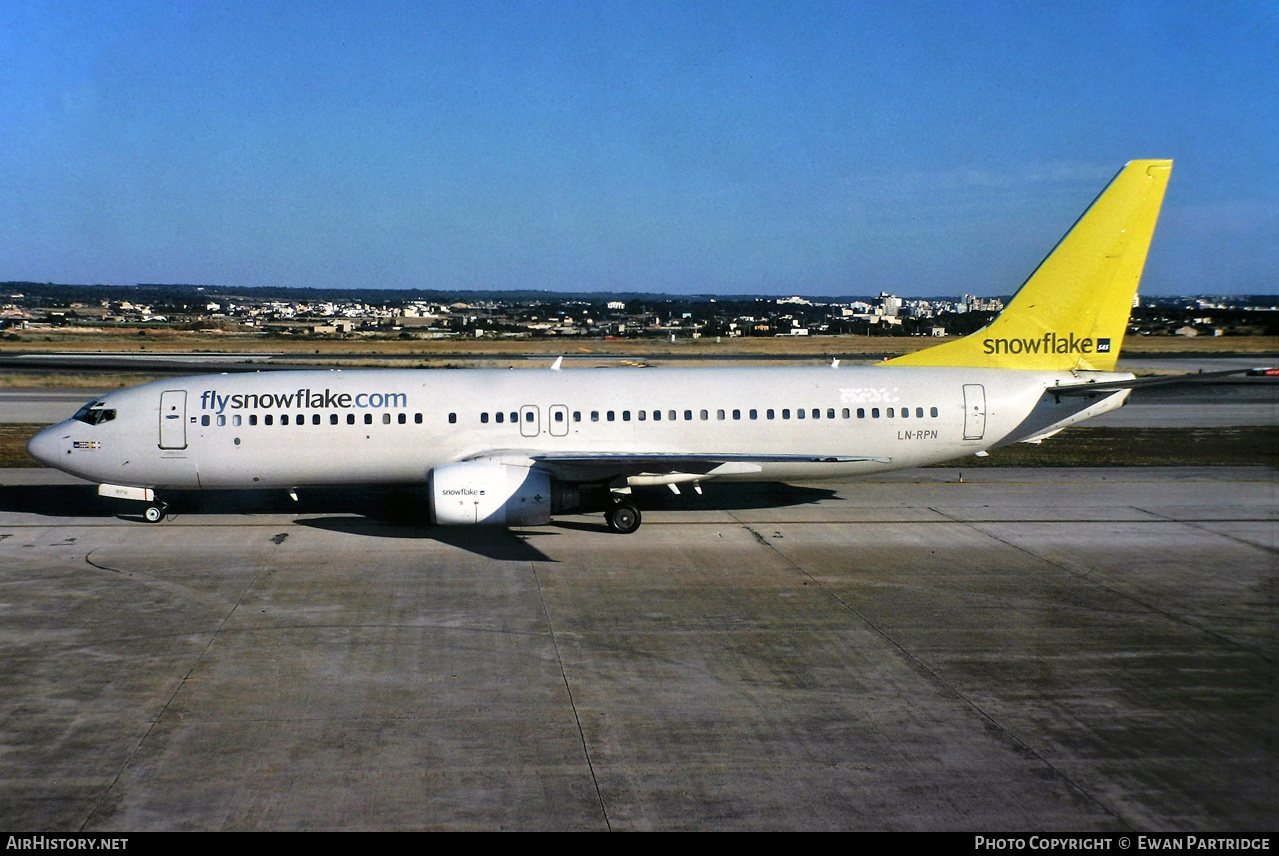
623,518
153,513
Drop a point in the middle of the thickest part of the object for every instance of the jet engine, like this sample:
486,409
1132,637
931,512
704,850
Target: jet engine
490,492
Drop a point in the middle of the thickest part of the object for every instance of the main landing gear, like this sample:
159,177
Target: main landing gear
622,517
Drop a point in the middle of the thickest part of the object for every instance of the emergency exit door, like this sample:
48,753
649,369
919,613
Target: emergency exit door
530,421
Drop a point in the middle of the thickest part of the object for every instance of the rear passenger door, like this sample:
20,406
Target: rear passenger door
974,411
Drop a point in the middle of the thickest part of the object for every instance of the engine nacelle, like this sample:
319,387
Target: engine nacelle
491,493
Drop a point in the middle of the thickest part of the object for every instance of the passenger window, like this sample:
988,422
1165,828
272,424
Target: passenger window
719,414
641,415
737,414
754,414
515,417
626,416
284,419
315,419
368,418
452,418
499,417
845,413
769,413
235,420
932,411
204,420
528,417
670,414
595,416
705,415
221,421
333,419
657,416
484,418
559,416
401,418
577,416
861,413
874,412
688,416
253,419
890,413
919,413
350,418
417,419
266,420
301,420
800,413
905,413
785,413
386,419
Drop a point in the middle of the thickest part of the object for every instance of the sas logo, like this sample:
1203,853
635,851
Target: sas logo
86,444
1103,346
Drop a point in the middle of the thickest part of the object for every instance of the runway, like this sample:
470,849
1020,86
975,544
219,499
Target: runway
1023,650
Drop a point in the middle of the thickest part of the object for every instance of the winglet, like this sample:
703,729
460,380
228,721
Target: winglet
1073,311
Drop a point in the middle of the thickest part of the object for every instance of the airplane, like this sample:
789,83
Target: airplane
514,448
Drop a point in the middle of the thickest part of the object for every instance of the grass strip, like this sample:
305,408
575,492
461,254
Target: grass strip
1142,447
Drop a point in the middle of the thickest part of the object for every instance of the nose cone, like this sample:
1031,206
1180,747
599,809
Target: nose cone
49,447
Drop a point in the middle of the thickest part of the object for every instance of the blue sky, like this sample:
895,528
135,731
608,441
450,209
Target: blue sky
759,148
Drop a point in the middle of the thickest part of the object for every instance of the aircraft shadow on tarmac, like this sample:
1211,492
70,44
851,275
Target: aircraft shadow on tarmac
381,512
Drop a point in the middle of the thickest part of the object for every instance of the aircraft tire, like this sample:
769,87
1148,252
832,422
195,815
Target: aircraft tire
153,513
623,518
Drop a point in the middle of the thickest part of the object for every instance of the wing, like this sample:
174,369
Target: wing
606,466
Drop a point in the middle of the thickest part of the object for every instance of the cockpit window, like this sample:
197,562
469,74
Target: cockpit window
93,413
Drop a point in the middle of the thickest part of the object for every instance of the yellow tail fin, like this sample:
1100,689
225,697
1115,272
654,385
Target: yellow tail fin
1073,311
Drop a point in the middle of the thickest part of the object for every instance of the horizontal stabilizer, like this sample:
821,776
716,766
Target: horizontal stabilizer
1098,387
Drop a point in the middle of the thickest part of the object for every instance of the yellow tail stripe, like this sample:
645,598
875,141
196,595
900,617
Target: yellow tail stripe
1073,311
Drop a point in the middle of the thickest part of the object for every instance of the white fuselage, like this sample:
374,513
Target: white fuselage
293,429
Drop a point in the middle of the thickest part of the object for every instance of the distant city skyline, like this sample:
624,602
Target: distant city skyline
746,148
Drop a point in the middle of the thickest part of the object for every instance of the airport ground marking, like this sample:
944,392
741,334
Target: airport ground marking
934,675
181,684
572,702
976,526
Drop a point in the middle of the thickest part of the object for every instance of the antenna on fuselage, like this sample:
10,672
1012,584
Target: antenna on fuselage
555,366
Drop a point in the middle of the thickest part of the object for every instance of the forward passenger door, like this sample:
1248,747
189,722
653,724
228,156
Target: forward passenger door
173,419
